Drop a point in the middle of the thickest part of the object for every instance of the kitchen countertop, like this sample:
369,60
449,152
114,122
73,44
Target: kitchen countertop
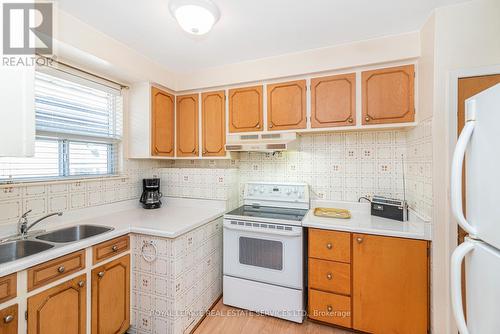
170,221
362,221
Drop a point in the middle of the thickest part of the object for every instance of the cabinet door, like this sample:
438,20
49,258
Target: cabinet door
388,95
213,118
187,125
390,285
245,109
111,297
333,101
286,105
59,310
8,320
17,110
162,123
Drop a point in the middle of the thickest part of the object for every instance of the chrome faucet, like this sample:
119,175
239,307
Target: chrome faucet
23,222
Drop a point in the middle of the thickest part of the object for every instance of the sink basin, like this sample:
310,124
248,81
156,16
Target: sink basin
74,233
18,249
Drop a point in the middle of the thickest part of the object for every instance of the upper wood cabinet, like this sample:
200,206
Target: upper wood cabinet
162,123
388,95
286,106
60,309
9,320
213,123
187,125
111,297
333,101
390,278
245,109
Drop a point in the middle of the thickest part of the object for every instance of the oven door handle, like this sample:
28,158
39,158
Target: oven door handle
264,231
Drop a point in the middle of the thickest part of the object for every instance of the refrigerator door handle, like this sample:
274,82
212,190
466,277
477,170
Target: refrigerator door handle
456,284
456,177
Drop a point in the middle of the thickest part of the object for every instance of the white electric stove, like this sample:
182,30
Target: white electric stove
263,250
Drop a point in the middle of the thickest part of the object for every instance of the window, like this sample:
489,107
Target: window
78,126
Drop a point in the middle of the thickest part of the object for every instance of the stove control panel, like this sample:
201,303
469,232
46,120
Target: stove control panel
265,192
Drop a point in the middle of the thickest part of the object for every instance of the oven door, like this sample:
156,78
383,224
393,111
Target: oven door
263,252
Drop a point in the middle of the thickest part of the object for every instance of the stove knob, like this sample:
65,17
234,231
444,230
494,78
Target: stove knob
261,190
289,191
295,190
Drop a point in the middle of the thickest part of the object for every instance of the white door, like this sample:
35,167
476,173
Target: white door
263,252
479,142
482,263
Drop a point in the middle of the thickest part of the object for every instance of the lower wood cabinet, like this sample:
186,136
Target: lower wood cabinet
60,309
111,297
390,285
9,320
377,285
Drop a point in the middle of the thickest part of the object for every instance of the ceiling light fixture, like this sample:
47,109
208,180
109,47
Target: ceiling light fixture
197,17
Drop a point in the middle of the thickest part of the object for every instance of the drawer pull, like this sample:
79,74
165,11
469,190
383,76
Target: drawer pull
8,319
329,276
61,269
100,274
350,120
359,240
367,118
81,284
114,248
329,308
329,245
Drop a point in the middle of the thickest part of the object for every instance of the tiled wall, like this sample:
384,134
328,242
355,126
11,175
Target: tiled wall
419,168
204,183
47,197
338,166
173,292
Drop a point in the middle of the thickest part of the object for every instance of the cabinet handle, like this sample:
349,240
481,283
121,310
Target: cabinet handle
114,248
329,245
204,152
367,118
258,126
329,308
8,319
81,284
100,274
270,126
350,120
61,269
359,240
329,276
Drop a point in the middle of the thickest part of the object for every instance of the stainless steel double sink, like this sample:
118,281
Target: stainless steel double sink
18,248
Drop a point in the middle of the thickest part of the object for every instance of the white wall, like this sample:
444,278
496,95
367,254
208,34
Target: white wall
368,52
466,37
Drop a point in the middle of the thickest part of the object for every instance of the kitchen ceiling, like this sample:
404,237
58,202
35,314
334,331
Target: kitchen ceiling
249,30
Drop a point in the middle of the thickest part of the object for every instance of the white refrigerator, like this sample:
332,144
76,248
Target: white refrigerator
479,146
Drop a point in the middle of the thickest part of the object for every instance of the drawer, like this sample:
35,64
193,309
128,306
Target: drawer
330,276
329,307
110,248
8,287
9,320
53,270
330,245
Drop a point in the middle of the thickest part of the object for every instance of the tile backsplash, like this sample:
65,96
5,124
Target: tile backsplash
48,197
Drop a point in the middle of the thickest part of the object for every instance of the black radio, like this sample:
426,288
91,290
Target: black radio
389,208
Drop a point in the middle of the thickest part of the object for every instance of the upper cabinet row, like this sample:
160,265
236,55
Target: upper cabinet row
177,126
173,125
387,97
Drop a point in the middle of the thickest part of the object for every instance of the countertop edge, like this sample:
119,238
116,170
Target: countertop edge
50,254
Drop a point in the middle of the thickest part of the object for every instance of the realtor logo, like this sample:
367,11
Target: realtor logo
27,28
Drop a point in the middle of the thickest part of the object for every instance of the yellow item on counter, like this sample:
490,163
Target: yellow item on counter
332,213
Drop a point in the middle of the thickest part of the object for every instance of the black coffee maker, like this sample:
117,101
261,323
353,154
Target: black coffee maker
151,194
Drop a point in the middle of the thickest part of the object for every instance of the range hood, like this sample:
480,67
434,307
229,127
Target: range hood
265,142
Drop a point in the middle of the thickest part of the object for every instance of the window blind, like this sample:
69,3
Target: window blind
79,128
